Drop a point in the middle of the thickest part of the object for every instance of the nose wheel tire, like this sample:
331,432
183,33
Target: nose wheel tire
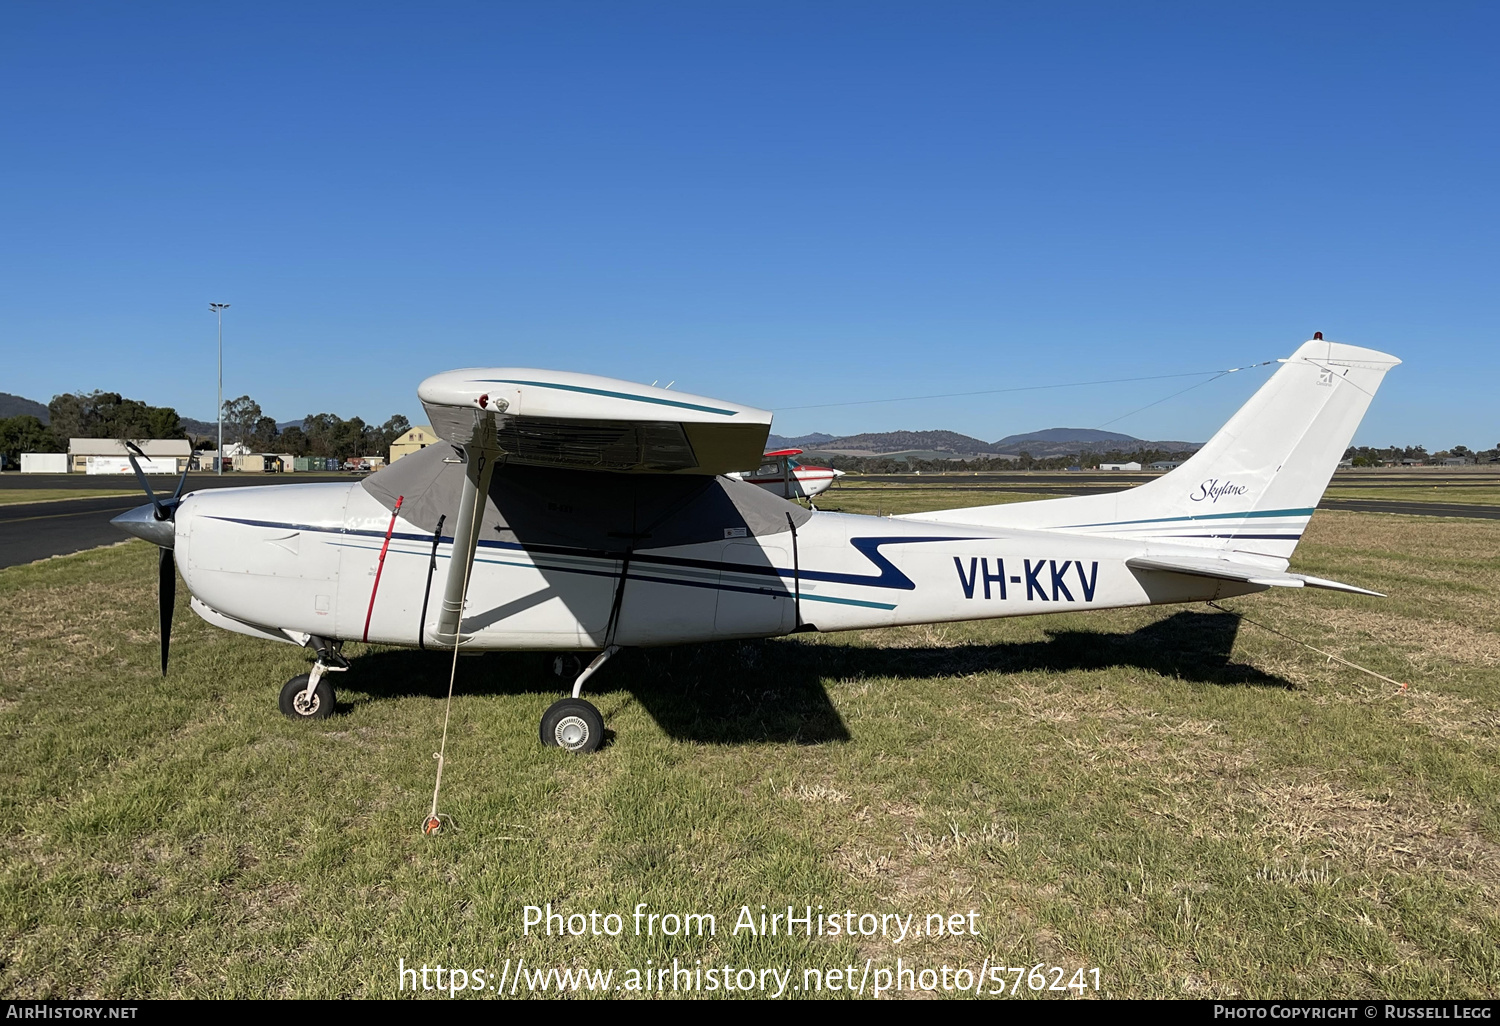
298,705
572,724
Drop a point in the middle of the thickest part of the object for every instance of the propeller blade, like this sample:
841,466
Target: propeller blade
134,451
177,495
166,595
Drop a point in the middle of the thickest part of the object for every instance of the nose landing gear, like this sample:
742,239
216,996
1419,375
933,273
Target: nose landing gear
310,696
305,697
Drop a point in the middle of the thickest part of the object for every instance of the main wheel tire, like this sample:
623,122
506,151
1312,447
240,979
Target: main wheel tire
573,724
318,707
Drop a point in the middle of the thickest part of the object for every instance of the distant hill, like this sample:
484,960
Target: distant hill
800,442
18,406
940,444
1064,441
906,441
924,444
1068,435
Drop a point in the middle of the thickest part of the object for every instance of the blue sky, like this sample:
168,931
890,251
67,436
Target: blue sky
779,204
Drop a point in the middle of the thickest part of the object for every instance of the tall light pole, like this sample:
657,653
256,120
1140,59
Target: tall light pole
218,309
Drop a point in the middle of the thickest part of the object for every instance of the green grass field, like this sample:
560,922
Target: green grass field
886,498
1191,805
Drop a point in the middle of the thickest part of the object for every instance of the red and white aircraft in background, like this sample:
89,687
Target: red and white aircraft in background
782,475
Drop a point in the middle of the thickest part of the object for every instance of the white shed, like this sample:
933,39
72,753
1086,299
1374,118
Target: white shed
44,463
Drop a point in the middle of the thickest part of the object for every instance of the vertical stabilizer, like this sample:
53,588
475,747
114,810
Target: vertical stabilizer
1253,487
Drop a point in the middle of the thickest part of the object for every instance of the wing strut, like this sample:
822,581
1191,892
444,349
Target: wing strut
479,467
471,516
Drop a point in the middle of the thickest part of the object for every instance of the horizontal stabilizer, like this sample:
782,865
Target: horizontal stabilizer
1228,570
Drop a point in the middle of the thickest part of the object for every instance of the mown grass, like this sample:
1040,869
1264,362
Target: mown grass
890,498
1195,806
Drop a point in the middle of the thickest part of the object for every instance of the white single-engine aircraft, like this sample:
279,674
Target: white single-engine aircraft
573,512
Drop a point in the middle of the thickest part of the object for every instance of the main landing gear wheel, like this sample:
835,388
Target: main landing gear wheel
297,704
573,724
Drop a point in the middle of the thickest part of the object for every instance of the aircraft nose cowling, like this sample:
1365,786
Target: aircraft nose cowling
142,523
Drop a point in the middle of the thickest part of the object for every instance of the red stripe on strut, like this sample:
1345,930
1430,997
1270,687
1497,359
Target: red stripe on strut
380,567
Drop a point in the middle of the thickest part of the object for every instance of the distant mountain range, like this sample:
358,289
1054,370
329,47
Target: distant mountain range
1051,442
811,441
17,406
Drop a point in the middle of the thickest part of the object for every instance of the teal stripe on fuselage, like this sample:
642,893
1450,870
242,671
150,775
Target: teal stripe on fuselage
847,602
1200,516
613,395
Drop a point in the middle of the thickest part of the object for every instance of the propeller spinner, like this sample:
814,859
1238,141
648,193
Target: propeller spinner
154,523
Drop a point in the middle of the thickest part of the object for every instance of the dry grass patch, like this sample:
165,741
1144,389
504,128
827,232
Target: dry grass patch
1398,832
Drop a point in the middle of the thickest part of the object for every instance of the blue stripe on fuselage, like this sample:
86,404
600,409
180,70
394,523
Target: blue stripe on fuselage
890,576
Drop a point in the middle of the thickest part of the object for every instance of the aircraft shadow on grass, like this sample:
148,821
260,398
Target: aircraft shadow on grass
745,692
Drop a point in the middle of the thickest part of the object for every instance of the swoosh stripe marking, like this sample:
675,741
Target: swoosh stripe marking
612,395
1200,516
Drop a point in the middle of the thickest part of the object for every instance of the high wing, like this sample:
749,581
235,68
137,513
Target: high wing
574,421
1231,570
586,422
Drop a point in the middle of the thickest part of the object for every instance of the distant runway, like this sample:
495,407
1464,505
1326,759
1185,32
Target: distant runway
1415,509
36,530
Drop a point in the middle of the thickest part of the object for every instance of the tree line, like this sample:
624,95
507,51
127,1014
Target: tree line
1368,456
101,414
320,434
94,414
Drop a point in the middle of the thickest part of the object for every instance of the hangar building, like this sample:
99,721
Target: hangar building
109,455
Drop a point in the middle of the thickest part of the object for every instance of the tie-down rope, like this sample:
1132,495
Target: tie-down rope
1299,641
434,822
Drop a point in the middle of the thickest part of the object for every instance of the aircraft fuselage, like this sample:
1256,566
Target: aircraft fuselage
304,559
